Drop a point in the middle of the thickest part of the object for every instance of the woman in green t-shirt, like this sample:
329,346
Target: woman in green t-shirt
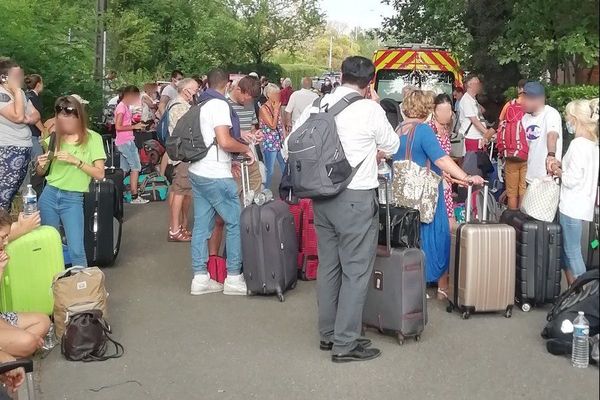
79,156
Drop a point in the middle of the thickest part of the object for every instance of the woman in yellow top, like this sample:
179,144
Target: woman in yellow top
79,156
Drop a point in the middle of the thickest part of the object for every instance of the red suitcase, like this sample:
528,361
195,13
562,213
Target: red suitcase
308,259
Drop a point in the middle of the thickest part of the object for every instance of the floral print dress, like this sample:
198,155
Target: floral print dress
272,141
447,147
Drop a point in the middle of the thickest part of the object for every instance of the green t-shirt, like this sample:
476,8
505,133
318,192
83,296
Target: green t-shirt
67,176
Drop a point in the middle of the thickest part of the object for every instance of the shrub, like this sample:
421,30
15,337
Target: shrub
298,71
272,71
559,96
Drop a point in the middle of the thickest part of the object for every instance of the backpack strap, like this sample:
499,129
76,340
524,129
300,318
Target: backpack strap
343,103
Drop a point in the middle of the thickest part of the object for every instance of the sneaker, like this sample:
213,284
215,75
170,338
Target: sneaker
202,284
235,285
139,200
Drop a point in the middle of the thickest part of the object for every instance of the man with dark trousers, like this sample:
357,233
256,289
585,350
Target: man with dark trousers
347,225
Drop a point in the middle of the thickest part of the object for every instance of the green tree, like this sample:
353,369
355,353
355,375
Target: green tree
271,24
545,35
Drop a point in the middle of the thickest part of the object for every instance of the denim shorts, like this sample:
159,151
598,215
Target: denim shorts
130,158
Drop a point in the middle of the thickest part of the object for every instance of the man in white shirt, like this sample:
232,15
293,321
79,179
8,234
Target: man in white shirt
347,225
543,128
299,100
470,117
169,93
216,192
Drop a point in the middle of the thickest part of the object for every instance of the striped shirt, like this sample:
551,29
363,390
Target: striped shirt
247,115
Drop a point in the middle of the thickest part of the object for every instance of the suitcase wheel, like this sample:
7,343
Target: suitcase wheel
400,339
466,315
363,330
417,338
449,308
280,297
250,293
526,307
508,312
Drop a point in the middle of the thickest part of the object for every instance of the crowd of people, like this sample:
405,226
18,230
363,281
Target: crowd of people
254,118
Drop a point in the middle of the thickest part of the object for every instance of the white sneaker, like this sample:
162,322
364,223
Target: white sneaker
139,200
235,285
202,284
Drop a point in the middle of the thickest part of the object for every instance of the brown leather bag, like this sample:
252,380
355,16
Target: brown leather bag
86,338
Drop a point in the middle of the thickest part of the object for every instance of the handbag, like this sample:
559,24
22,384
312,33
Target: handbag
541,199
87,338
414,186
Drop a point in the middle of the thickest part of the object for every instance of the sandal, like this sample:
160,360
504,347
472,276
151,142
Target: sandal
442,294
179,236
186,231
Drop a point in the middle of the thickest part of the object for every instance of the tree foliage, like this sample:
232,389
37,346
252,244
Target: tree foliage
270,24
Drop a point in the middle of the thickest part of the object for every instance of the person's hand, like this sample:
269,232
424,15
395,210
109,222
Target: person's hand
550,162
251,158
14,86
29,222
489,134
236,169
139,126
3,261
43,160
258,136
67,157
373,94
381,155
248,137
13,379
475,180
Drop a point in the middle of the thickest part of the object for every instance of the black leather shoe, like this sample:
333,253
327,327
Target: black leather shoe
327,346
358,354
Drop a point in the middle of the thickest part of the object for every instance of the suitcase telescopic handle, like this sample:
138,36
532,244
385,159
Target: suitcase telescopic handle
245,179
388,217
469,203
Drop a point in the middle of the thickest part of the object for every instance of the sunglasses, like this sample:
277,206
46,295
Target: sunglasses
66,110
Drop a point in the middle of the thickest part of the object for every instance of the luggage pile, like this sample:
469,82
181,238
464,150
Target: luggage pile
308,257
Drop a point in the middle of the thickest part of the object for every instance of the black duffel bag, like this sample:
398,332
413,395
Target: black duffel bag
405,227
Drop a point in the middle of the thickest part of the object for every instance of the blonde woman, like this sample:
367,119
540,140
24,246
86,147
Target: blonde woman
272,130
425,147
579,173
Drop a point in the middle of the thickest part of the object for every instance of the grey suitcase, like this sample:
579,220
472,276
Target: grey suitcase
269,246
396,298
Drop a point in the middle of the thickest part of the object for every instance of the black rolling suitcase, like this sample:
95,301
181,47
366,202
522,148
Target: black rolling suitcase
269,246
538,259
590,237
396,298
102,233
117,176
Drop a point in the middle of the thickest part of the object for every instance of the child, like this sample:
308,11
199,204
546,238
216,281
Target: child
21,334
130,158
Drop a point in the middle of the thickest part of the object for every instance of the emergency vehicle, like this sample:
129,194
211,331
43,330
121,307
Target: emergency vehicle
425,66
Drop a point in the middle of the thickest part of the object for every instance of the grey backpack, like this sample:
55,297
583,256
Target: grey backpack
186,142
317,164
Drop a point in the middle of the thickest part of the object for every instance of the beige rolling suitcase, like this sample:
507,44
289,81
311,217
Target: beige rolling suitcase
482,266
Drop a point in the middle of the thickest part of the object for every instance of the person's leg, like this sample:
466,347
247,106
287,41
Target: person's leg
14,162
185,212
571,251
130,152
512,173
48,205
356,221
214,243
204,220
281,162
71,215
269,166
227,205
175,234
35,323
18,342
329,274
522,181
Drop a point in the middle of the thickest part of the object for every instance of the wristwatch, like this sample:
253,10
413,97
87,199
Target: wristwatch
551,154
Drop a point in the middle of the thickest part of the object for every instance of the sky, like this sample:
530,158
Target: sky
363,13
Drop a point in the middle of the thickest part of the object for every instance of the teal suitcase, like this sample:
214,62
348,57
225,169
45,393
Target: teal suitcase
27,281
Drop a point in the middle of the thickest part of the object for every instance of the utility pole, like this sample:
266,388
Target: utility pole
330,53
100,64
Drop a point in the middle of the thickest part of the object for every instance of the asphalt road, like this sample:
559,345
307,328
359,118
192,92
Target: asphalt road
180,347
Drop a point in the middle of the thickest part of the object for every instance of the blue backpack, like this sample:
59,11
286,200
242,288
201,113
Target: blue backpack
162,129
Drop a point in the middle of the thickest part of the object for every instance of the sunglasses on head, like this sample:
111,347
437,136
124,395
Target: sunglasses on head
67,110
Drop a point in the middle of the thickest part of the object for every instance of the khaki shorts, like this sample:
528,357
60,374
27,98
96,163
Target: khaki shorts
514,177
181,182
255,179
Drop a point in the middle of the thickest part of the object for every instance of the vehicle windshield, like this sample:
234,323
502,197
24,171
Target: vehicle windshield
389,83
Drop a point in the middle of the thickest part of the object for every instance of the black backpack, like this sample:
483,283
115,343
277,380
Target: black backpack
583,295
186,142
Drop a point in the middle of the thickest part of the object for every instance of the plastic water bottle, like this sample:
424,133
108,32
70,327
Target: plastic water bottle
29,201
49,340
581,351
385,173
263,197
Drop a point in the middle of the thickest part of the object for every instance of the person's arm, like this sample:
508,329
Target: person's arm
24,225
32,115
14,110
12,379
95,170
574,175
269,118
487,133
386,138
120,127
162,105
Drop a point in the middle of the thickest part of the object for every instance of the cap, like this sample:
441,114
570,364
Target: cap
534,89
253,74
80,99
